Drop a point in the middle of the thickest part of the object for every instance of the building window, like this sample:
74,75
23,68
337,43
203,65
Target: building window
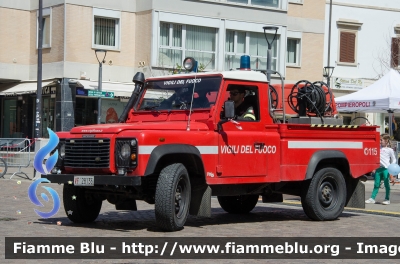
394,58
104,31
180,41
46,24
348,30
265,3
106,27
293,52
235,47
347,47
249,43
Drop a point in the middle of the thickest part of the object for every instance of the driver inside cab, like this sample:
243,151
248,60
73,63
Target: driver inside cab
243,111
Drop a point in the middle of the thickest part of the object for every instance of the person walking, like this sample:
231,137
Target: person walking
387,157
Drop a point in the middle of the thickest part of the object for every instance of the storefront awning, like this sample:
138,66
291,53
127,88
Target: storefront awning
21,88
119,89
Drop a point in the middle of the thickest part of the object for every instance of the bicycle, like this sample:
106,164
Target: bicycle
3,167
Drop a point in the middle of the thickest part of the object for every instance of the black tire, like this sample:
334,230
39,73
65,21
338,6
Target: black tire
3,167
323,198
241,204
172,199
85,208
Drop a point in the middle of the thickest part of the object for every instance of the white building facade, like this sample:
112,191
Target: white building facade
363,46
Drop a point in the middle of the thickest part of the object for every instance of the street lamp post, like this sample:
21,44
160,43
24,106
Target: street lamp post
269,55
328,71
100,81
38,114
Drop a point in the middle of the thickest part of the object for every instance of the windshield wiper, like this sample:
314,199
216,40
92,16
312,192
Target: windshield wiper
150,107
182,105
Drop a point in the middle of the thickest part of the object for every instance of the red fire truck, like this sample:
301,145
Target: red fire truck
179,143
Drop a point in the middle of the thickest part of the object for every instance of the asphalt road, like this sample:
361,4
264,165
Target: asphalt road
17,218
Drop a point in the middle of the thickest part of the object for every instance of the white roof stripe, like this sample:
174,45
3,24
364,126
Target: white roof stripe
324,145
235,74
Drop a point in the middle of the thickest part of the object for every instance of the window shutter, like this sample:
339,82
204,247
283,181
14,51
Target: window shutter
395,53
347,47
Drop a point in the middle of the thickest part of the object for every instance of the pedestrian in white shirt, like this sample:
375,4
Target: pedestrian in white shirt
387,157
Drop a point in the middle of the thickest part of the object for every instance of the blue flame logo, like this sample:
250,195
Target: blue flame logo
41,154
35,200
50,163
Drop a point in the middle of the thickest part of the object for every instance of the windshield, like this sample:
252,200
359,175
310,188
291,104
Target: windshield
176,94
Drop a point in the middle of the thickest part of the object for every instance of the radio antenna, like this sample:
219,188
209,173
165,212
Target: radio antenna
191,103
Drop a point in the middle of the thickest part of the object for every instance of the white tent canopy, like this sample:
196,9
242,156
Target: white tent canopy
383,96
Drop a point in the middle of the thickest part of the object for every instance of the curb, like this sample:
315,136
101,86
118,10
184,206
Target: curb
350,209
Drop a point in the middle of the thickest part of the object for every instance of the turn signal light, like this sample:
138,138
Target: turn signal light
133,156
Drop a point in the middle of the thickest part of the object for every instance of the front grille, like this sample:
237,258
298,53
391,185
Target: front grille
87,153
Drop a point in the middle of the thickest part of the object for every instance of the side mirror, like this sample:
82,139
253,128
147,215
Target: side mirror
229,107
229,113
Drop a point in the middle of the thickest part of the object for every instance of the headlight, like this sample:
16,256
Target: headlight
62,151
125,151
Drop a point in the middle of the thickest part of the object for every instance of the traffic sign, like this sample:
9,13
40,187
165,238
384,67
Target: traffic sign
101,94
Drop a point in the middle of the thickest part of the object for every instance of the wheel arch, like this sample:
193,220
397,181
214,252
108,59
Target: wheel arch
333,158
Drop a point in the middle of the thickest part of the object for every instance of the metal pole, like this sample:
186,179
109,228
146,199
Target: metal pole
328,81
269,52
38,114
269,55
99,89
390,123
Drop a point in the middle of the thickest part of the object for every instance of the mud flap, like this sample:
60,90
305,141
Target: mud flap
128,204
355,194
272,198
200,204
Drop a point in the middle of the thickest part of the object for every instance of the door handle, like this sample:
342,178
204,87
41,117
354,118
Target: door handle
259,145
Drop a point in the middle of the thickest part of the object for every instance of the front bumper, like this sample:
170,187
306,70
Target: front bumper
98,179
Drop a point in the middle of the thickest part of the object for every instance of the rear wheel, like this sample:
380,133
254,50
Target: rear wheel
241,204
172,199
324,197
79,206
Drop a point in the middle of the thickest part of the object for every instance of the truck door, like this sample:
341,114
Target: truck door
243,147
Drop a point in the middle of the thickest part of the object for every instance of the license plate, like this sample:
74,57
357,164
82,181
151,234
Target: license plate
83,180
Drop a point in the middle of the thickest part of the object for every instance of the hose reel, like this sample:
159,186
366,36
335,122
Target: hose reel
309,99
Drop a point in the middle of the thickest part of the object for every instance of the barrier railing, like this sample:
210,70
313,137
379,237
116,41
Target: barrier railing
16,153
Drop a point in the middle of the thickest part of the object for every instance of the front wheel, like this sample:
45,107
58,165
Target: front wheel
323,198
172,199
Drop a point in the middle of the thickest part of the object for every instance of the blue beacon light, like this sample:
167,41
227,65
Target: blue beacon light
245,63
